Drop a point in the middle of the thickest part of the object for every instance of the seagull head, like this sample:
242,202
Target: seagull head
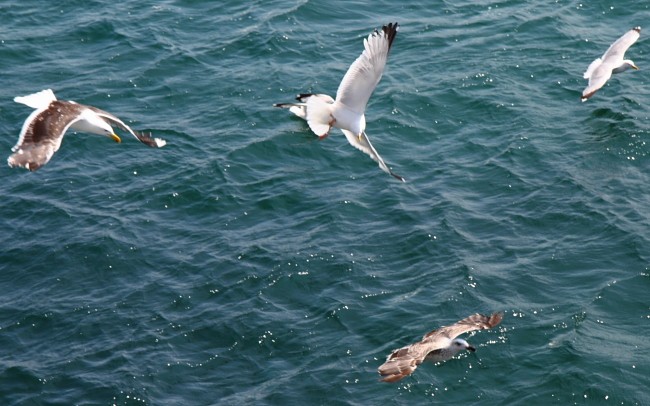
94,124
107,130
458,344
627,64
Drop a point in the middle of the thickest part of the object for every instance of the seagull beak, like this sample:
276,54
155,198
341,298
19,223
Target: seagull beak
115,138
635,67
470,348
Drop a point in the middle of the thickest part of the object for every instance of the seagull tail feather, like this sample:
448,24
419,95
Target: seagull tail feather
296,108
319,116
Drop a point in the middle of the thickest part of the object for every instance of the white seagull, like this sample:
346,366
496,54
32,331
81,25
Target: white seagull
612,61
361,142
346,112
436,346
44,129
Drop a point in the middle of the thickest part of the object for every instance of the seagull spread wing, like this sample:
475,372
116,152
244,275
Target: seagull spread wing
471,323
616,52
363,75
42,134
146,139
597,79
363,144
403,362
592,67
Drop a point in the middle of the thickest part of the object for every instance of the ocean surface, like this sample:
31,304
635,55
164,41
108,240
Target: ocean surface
249,263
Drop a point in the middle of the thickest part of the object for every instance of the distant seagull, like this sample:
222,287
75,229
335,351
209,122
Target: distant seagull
612,61
43,130
347,111
438,345
361,142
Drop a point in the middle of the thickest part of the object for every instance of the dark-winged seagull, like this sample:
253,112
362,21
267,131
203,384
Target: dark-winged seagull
44,129
346,112
612,61
438,345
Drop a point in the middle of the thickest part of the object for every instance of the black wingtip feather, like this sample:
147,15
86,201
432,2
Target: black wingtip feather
302,97
396,176
146,138
390,31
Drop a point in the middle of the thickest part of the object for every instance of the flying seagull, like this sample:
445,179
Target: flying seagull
361,142
438,345
43,130
346,112
612,61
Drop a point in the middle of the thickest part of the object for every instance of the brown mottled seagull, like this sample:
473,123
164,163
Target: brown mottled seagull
44,129
347,111
612,61
438,345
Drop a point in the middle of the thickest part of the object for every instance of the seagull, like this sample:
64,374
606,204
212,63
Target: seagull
436,346
612,61
44,129
346,112
361,142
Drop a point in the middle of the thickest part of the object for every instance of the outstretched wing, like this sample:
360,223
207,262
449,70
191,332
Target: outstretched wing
616,52
42,134
363,75
592,67
597,79
471,323
402,362
146,139
362,143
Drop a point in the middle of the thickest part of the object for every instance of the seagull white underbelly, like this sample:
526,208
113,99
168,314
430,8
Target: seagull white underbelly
83,126
348,119
89,122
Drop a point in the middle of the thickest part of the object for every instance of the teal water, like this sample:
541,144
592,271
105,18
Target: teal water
248,263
